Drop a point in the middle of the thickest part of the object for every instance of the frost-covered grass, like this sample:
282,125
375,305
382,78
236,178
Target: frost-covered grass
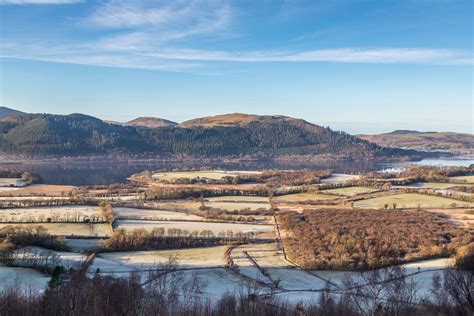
72,229
232,206
54,213
32,198
266,255
296,279
461,217
79,245
11,182
432,185
341,177
302,197
185,258
410,200
26,279
181,205
464,179
239,198
26,255
208,174
350,191
135,213
216,228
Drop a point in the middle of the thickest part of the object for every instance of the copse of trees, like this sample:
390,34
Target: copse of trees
359,239
27,177
423,174
173,193
172,238
13,236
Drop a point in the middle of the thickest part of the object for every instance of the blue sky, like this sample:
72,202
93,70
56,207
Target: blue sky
359,66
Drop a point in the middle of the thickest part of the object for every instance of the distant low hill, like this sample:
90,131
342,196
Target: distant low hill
234,119
426,141
150,122
233,135
7,112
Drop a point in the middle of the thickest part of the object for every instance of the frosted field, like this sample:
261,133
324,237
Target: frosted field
208,174
11,182
34,198
246,266
79,245
431,185
66,259
55,213
205,257
410,200
464,179
181,205
68,229
296,279
341,177
458,216
232,206
25,279
216,228
136,213
426,268
350,191
303,197
239,198
266,255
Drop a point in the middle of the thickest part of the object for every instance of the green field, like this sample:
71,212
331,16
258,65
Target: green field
410,200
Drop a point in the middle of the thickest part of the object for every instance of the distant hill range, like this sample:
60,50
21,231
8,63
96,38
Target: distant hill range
150,122
7,112
232,135
456,143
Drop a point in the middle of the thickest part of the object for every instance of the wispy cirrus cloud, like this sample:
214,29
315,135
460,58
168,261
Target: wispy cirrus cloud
343,55
126,55
158,35
164,19
20,2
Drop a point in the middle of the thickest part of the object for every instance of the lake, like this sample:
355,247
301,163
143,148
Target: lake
97,173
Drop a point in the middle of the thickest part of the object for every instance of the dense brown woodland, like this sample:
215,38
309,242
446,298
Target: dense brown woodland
364,239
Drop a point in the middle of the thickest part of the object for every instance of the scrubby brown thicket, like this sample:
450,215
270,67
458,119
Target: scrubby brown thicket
364,239
425,173
28,178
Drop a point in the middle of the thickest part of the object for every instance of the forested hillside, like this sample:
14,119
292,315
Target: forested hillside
77,134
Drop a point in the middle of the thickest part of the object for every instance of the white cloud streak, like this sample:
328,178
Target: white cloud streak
145,34
343,55
23,2
173,19
115,55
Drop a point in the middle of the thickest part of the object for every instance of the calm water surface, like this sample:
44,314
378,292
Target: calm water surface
96,173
